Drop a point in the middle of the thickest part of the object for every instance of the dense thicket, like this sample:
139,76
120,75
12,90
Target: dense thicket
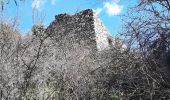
36,67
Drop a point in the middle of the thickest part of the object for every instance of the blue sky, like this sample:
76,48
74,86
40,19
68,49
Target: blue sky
109,11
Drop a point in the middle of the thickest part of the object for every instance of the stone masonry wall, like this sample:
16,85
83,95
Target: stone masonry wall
84,28
101,33
78,28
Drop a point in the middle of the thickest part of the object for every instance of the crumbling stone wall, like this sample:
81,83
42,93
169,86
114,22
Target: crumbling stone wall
102,34
84,28
74,42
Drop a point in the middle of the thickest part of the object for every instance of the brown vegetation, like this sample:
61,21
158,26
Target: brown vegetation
36,67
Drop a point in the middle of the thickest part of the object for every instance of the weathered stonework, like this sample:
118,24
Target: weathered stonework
101,33
84,28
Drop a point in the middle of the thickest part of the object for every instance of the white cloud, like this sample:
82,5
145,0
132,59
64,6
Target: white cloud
53,2
98,10
38,3
113,8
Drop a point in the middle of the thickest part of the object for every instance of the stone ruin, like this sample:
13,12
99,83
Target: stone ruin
84,28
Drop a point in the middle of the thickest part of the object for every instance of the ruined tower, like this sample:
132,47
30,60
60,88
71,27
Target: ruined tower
84,28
